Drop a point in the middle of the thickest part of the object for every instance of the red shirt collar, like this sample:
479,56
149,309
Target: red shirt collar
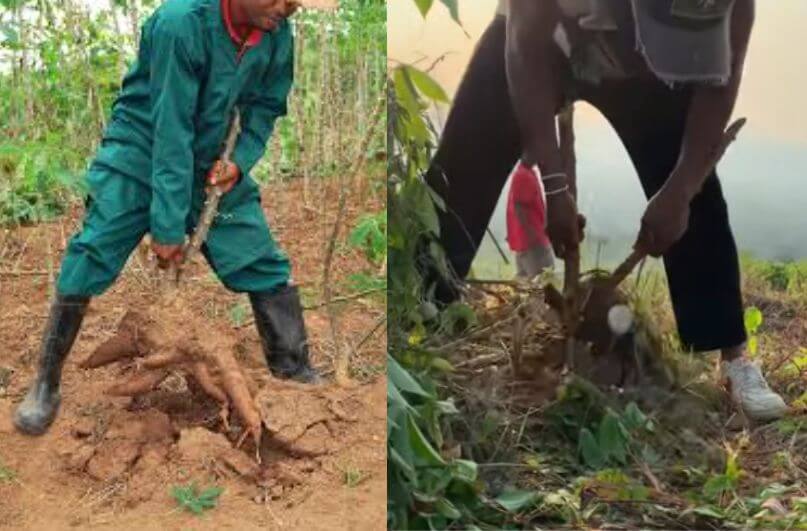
254,36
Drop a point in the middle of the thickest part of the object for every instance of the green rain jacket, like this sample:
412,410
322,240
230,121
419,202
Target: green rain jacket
171,118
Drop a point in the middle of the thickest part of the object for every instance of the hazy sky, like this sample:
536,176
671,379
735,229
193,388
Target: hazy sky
775,71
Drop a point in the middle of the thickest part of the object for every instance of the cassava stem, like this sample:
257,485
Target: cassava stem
571,275
214,195
730,135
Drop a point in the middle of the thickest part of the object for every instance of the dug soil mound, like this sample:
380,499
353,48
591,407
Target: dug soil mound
157,411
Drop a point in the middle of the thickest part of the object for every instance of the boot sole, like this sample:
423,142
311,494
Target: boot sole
31,429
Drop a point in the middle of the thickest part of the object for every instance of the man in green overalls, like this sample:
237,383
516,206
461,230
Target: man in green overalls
198,60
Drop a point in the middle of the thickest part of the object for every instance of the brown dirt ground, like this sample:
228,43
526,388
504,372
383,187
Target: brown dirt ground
109,462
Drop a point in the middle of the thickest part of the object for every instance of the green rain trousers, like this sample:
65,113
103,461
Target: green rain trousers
166,131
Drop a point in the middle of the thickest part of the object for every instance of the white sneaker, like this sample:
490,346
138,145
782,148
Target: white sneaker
750,391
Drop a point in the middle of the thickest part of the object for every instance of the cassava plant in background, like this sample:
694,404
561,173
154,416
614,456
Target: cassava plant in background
369,236
61,64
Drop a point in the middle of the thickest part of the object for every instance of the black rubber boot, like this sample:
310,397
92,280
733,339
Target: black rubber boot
39,408
279,318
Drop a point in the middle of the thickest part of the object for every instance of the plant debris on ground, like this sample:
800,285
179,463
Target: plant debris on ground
554,449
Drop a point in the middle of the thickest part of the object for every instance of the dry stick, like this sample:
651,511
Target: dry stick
473,334
51,275
23,273
498,246
729,136
624,269
299,119
571,271
345,298
370,334
483,281
3,248
343,363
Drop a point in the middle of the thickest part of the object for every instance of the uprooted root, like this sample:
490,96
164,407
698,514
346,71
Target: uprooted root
519,350
168,339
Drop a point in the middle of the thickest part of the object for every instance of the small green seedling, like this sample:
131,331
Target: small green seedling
189,498
238,313
753,320
353,476
6,474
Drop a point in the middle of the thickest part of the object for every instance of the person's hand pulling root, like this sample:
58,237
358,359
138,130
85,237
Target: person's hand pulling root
167,255
224,174
565,226
664,222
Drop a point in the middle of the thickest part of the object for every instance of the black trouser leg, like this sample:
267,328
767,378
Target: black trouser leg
703,267
478,148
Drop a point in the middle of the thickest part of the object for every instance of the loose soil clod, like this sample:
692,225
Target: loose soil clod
168,339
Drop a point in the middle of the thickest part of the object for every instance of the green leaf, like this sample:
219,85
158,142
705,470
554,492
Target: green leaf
10,34
453,8
447,509
458,313
402,379
439,202
426,85
442,365
6,474
753,319
611,440
424,497
424,6
238,313
464,470
210,495
394,396
422,448
590,450
405,94
733,470
408,470
753,345
447,407
187,498
716,486
633,418
517,500
709,511
650,456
